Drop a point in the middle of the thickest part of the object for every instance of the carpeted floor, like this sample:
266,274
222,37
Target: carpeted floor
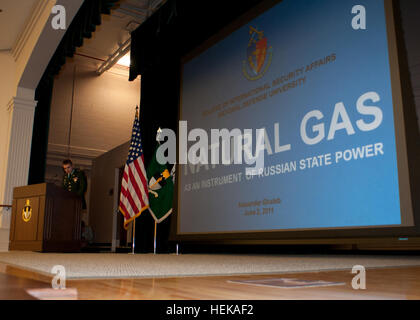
109,265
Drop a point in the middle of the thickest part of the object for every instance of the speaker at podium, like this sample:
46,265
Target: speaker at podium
45,218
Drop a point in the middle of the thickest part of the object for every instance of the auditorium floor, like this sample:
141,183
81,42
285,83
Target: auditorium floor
381,283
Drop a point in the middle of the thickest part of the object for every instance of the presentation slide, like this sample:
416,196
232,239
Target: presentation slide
315,76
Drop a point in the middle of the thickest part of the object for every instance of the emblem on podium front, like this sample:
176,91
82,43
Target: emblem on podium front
27,211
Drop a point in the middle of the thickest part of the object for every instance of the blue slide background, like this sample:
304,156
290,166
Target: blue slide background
347,194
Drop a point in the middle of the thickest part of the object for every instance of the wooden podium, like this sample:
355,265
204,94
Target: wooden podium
45,218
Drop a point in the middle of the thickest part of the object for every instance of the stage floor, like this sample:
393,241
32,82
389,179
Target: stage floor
396,283
122,265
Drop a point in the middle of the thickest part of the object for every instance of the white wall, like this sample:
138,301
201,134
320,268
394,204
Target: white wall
102,201
103,108
7,91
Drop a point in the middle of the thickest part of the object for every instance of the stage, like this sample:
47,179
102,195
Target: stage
26,275
123,265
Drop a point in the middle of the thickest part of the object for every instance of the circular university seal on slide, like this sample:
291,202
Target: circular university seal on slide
258,55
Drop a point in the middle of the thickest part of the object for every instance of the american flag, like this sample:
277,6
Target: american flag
134,197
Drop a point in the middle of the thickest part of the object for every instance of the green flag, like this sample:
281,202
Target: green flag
161,189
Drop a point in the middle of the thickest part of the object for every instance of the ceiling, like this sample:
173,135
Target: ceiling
13,18
115,28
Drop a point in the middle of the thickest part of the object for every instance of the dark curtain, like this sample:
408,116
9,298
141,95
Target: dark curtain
157,47
82,26
180,26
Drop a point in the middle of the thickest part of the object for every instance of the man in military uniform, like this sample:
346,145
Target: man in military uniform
74,180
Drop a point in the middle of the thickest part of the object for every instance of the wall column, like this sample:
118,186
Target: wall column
21,111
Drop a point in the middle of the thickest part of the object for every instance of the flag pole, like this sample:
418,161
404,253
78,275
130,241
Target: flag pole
134,237
154,251
133,242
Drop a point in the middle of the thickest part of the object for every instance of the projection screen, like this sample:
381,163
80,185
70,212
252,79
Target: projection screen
321,79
